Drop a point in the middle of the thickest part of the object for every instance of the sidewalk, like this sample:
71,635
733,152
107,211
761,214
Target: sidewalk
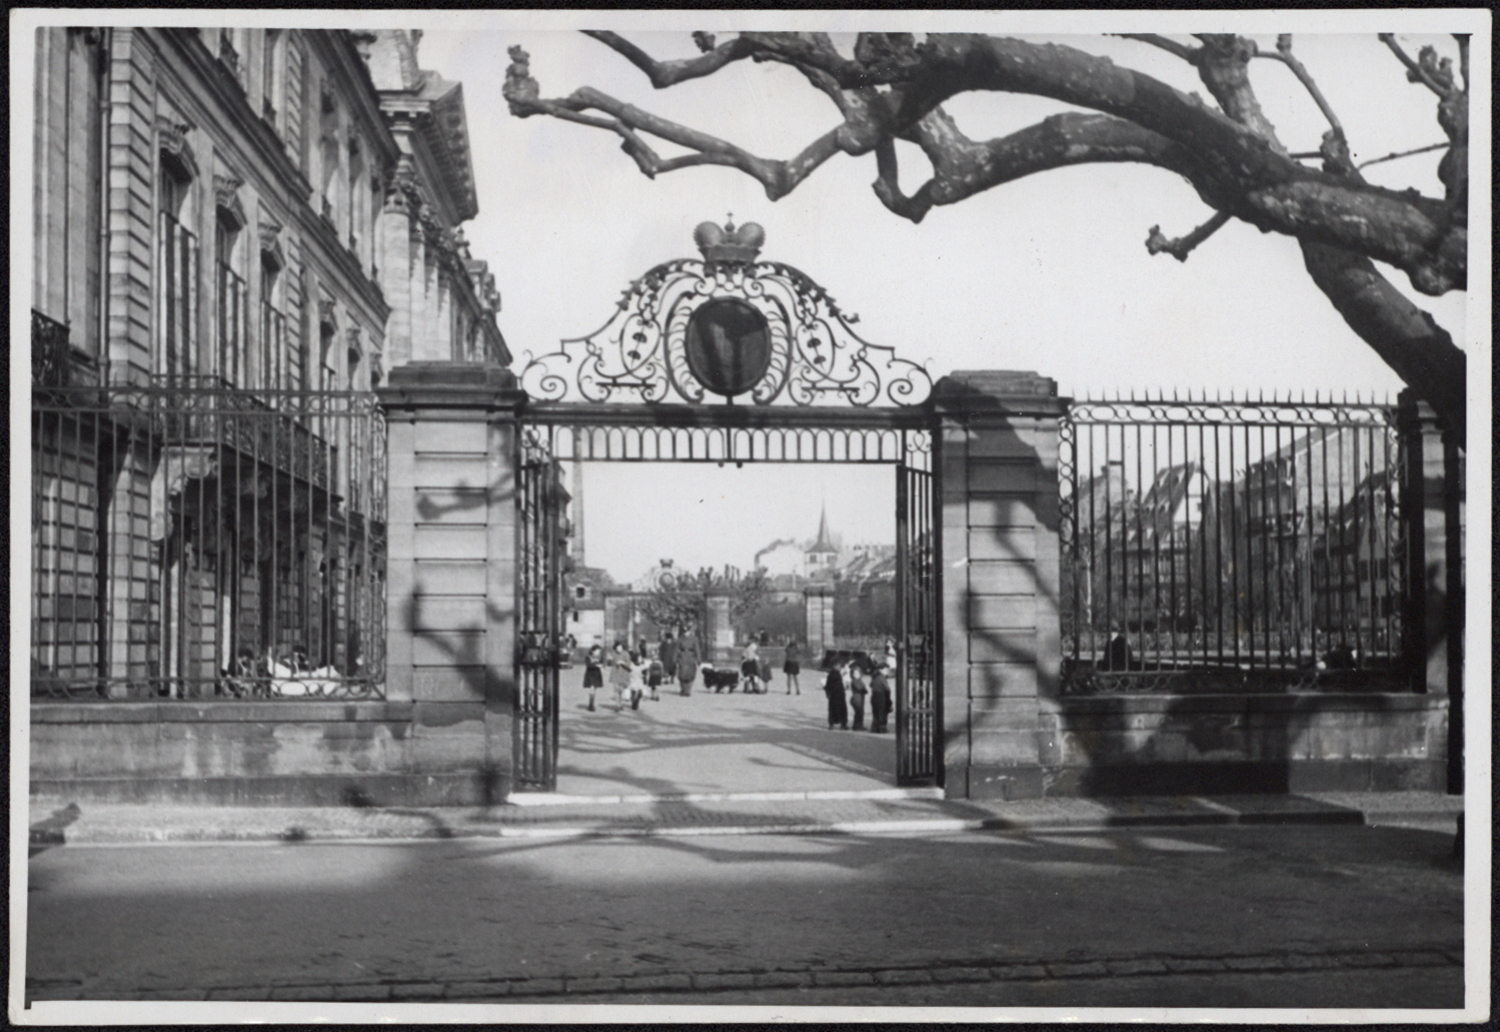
58,822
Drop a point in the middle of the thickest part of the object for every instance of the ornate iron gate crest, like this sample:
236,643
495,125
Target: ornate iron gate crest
727,325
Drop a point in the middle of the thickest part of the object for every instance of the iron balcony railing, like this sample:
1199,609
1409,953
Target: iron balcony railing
1228,544
197,541
55,362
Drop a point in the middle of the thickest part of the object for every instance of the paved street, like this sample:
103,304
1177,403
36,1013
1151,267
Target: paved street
1303,916
707,741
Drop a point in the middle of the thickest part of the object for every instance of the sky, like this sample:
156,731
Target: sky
1049,273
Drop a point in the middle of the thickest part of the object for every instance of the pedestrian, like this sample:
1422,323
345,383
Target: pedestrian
619,674
858,689
838,711
636,685
880,700
750,666
654,676
792,666
668,654
687,663
593,672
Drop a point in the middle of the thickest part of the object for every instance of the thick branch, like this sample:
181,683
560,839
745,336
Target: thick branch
1171,46
1237,168
1181,247
1419,350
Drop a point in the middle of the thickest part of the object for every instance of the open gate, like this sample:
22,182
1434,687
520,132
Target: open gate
540,503
809,389
918,643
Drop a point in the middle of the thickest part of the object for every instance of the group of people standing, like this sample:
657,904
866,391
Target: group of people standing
847,685
645,668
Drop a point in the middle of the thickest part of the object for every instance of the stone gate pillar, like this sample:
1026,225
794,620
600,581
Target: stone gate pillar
450,610
1432,504
1002,649
718,637
819,608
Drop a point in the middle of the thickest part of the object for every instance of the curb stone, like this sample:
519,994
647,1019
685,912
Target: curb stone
686,983
532,824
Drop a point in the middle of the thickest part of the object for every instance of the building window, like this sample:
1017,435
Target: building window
270,80
356,190
176,282
277,370
232,299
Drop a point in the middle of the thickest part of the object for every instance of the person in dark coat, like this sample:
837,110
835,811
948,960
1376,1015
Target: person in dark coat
838,710
880,700
688,659
668,655
792,666
857,692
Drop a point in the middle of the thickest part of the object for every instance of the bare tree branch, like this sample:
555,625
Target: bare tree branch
1404,154
1285,56
887,185
1414,71
894,89
1181,247
1171,46
669,73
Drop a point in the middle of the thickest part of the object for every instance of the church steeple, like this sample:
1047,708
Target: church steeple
824,544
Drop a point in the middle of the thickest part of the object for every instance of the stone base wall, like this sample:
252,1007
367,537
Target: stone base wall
263,753
1228,744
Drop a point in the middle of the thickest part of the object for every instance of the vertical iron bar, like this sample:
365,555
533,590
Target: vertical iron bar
1276,540
1141,494
1342,546
1171,529
1239,504
1358,543
1218,546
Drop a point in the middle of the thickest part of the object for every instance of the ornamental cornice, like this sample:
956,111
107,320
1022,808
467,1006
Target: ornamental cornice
227,197
175,149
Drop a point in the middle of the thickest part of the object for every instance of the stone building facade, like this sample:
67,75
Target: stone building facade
238,232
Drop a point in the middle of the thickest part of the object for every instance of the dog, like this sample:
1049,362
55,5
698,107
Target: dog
718,680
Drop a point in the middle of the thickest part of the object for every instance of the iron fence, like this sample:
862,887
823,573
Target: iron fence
1225,543
198,541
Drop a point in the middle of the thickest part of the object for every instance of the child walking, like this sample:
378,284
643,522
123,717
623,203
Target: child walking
593,673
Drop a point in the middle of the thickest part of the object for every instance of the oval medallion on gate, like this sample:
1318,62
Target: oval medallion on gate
728,346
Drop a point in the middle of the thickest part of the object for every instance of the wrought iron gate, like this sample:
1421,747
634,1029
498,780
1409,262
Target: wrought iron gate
918,698
540,501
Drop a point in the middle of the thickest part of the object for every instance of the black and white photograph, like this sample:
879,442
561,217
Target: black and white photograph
734,516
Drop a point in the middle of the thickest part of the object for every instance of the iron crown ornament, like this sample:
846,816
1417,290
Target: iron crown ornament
731,326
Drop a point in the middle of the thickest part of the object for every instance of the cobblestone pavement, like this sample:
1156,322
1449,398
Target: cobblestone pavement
701,986
1065,917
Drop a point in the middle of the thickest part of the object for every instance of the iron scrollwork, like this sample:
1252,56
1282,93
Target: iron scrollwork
640,353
